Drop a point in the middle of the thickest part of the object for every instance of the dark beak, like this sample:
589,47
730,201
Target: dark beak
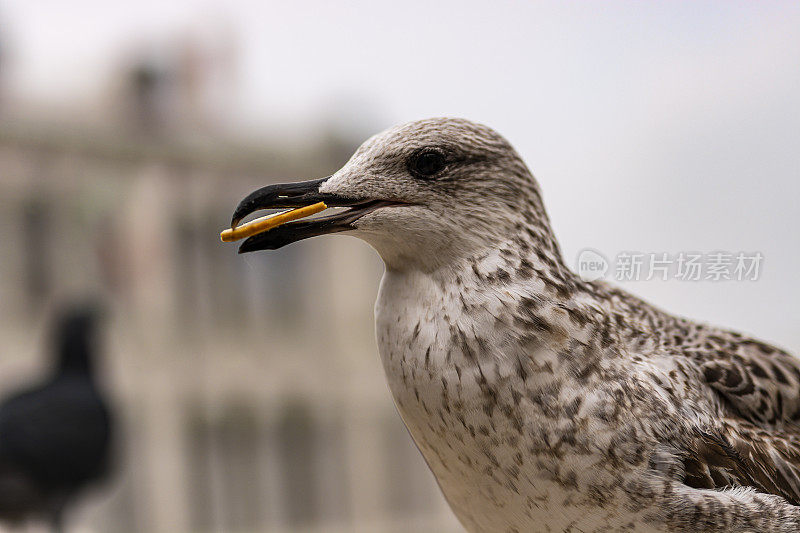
300,194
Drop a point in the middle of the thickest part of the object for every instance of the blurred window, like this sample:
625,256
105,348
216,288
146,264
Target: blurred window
225,471
299,462
274,283
410,487
37,257
211,278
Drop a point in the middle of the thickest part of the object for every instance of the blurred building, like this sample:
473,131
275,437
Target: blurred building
249,386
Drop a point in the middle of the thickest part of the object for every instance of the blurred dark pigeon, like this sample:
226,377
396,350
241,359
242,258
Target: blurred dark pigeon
55,435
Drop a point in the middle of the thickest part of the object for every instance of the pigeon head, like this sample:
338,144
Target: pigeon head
74,337
422,194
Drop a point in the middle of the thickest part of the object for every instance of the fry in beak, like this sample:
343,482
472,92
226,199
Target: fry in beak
260,225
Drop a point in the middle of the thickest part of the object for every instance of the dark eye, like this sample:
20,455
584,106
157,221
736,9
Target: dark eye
427,163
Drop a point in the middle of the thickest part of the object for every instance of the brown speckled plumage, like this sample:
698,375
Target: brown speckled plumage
542,402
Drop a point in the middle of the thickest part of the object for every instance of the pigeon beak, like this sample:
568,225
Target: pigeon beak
300,194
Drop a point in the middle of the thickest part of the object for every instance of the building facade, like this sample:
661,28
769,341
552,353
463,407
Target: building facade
248,388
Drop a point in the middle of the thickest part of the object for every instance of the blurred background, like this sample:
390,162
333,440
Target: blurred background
248,391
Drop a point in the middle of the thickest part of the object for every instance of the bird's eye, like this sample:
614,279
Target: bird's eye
427,163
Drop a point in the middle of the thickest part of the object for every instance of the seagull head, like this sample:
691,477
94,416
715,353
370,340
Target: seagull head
423,194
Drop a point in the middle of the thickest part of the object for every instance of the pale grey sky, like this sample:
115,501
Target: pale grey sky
652,126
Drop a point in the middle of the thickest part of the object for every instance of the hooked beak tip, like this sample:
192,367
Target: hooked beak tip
282,195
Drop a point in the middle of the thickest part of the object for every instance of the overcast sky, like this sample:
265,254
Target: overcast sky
652,126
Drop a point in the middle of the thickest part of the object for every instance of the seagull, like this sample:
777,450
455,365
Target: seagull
55,435
539,400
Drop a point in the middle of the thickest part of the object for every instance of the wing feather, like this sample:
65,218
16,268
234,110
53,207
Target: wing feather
759,382
741,455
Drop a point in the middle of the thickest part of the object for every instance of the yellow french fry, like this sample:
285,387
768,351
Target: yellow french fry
260,225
